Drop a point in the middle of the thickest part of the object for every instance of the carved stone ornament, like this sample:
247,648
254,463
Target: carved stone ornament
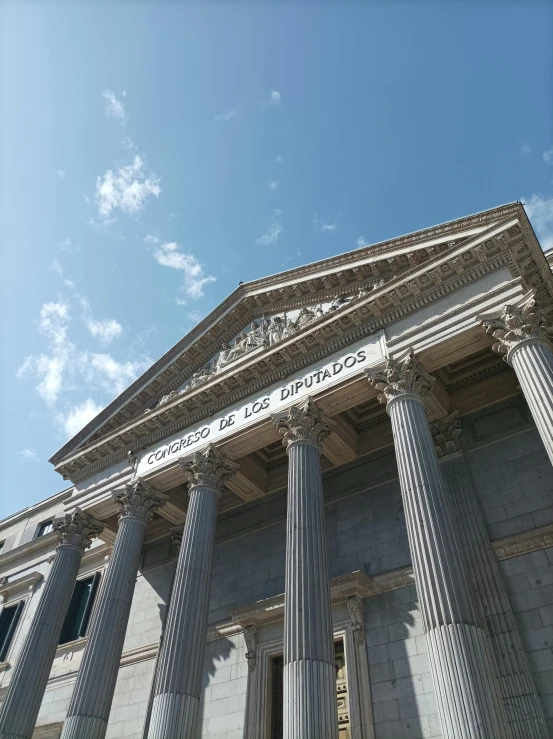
303,422
250,637
355,609
517,324
446,433
209,468
77,529
139,500
401,377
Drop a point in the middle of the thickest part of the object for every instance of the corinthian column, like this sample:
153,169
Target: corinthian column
88,712
467,700
310,710
26,689
176,704
524,336
511,671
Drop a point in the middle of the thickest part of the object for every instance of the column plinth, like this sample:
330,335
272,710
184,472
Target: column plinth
525,337
90,704
310,709
467,700
21,705
176,703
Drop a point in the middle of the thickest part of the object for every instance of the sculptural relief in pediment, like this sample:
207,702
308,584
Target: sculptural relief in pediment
262,334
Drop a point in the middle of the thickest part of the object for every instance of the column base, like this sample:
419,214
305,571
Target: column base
467,703
310,709
174,716
84,727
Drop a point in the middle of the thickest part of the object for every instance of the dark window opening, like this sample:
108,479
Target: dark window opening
44,528
80,608
8,623
277,694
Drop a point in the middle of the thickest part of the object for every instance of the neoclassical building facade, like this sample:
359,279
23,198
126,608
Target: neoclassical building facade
326,513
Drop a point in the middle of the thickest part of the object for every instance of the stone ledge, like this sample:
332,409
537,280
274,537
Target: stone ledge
524,542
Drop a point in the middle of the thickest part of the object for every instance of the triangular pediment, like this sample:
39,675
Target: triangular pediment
275,321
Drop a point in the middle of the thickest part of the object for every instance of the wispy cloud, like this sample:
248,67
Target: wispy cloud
61,173
77,416
168,254
113,108
273,185
524,147
228,115
361,241
548,156
274,230
127,189
278,159
28,455
275,97
323,226
66,245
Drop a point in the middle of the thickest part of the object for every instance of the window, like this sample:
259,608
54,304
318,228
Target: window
44,528
80,608
2,546
277,694
8,623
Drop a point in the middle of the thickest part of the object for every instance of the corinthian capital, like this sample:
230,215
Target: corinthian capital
401,377
517,324
445,434
209,468
304,422
77,529
139,500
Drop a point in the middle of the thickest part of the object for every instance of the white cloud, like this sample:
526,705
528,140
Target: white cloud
106,331
548,156
78,416
107,374
61,173
273,185
28,454
127,189
227,116
66,245
524,147
279,159
322,226
114,108
540,212
275,97
169,255
274,230
361,242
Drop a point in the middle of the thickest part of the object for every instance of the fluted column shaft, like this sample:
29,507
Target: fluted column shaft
310,710
175,708
30,676
176,703
90,704
512,673
532,361
467,701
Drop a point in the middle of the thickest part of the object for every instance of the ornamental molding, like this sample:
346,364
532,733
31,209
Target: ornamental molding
12,590
76,529
138,500
250,637
355,610
401,377
357,319
446,433
209,468
303,422
516,324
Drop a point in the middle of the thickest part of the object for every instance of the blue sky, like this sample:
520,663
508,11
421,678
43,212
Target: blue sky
153,155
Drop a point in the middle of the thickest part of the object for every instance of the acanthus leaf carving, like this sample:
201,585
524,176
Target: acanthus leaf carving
446,433
77,529
250,637
517,324
303,422
355,609
401,377
209,468
139,500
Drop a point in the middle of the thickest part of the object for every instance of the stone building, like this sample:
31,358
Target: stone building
326,512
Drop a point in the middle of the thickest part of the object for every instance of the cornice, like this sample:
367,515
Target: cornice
48,542
189,354
415,289
10,588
